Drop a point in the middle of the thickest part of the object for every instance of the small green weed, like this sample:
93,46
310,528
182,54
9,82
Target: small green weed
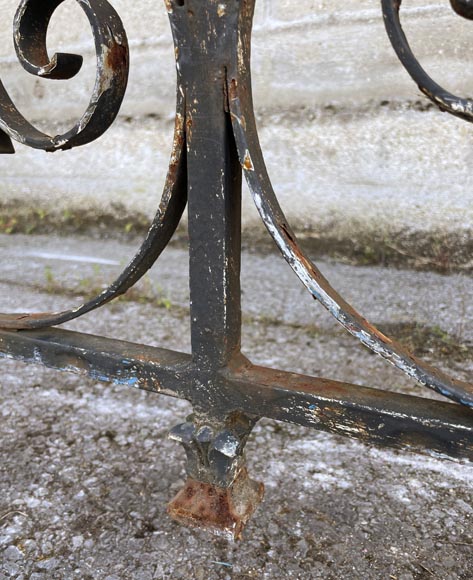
424,340
144,292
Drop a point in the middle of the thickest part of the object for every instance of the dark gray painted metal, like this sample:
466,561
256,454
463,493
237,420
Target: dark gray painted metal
463,8
111,45
372,415
214,455
103,359
204,43
443,99
215,139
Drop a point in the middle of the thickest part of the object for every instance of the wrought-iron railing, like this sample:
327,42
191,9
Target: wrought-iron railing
215,142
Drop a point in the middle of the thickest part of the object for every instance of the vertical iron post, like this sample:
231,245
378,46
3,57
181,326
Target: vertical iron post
205,36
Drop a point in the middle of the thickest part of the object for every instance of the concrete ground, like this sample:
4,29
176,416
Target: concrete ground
86,469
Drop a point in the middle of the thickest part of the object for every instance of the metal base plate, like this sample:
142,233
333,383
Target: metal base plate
222,511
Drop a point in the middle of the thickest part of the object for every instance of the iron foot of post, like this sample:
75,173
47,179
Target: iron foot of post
218,496
221,510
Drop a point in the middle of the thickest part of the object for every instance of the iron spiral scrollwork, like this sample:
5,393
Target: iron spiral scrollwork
443,99
29,34
30,27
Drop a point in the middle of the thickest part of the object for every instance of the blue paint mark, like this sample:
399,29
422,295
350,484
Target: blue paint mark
131,382
312,407
226,564
99,377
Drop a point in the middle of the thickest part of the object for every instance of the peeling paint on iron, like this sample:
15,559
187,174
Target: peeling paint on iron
354,323
247,162
12,133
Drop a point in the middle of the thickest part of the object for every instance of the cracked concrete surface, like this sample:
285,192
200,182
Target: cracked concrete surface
86,469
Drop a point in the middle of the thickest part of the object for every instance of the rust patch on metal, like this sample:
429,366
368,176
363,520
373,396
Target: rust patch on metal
296,250
189,124
233,89
117,57
247,162
222,511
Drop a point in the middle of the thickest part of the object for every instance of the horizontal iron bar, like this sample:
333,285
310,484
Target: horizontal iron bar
103,359
372,415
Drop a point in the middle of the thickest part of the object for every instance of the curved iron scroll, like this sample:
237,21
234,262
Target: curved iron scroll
164,225
252,162
443,99
30,29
